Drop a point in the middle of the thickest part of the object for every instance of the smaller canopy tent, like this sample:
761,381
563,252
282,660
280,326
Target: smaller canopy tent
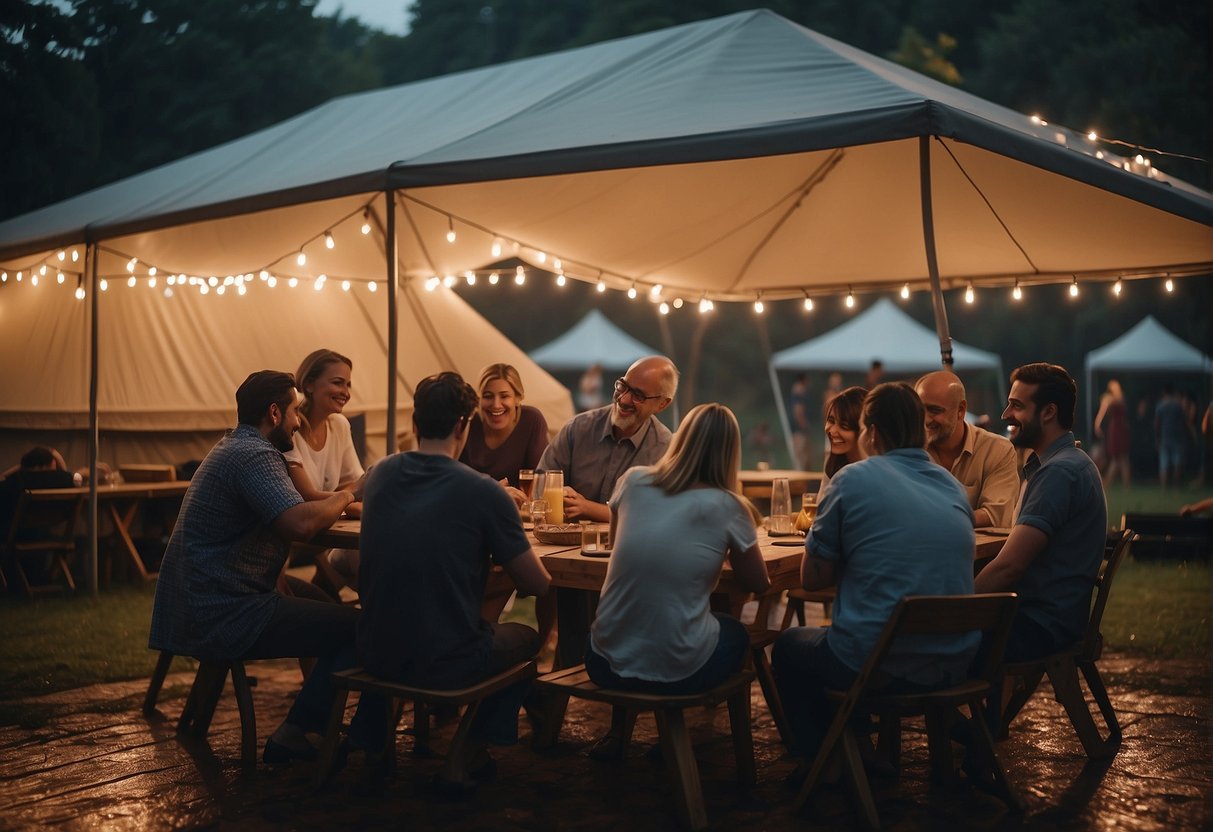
883,332
1147,347
592,340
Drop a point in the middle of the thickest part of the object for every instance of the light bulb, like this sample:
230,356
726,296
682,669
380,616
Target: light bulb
1017,293
557,264
519,275
152,271
62,255
168,291
470,277
560,281
601,287
75,255
448,281
905,292
241,289
58,278
431,284
969,296
366,228
496,247
704,305
271,281
850,300
33,280
541,257
1074,288
329,242
301,259
1169,285
758,307
372,287
808,304
1116,287
656,290
3,277
130,264
130,281
450,236
221,290
345,285
318,283
151,282
79,293
1092,136
204,289
632,292
664,309
493,278
293,282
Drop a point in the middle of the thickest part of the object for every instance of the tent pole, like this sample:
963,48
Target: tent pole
928,239
390,248
90,255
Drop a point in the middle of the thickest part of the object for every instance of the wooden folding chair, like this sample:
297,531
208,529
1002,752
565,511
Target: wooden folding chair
43,527
1022,678
922,615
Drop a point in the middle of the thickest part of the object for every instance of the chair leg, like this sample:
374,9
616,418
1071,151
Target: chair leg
743,735
421,730
766,680
332,738
248,716
1063,674
939,745
157,682
555,705
1095,682
204,697
852,764
991,763
1004,708
454,769
888,742
680,760
629,725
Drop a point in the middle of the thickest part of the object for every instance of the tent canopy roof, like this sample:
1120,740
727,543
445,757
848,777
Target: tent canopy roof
728,157
882,332
592,340
1149,346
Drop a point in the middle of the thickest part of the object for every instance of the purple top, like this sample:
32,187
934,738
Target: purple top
521,449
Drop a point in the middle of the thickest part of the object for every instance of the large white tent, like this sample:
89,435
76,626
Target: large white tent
882,332
592,340
1147,347
730,159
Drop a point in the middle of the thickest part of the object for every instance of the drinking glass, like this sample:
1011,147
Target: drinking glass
781,506
526,481
595,538
538,484
808,512
539,512
553,494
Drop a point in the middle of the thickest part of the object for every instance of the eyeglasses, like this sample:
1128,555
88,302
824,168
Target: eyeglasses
622,387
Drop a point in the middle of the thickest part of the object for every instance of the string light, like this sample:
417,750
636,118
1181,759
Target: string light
450,229
905,292
678,303
493,278
33,280
496,247
664,309
541,256
557,264
302,258
759,308
601,286
272,281
345,286
329,242
850,298
372,287
105,285
1017,293
705,305
519,275
62,255
1169,286
1074,288
3,277
151,282
632,291
130,264
293,282
655,292
18,277
448,281
470,277
969,295
168,291
808,303
1116,288
560,281
366,228
58,278
130,281
75,255
1092,136
318,283
431,284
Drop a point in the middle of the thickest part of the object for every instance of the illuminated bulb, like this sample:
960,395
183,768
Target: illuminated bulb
264,275
130,264
450,236
301,259
905,292
168,291
969,296
758,307
366,228
58,278
1017,293
431,284
372,287
75,255
318,283
541,257
62,255
1169,285
171,280
632,292
105,285
293,282
3,277
241,289
493,278
229,280
664,309
42,270
705,305
1092,136
329,242
601,287
1074,288
557,264
1139,159
151,283
221,290
18,277
656,290
1116,287
808,304
345,285
470,277
560,281
130,281
271,281
204,289
79,293
519,275
850,300
33,280
448,281
496,248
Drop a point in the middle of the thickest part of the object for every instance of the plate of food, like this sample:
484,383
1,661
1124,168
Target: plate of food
558,533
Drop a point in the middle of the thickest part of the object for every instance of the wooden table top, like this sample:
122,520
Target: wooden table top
120,490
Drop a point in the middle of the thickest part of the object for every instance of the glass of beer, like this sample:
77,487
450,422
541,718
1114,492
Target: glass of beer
526,481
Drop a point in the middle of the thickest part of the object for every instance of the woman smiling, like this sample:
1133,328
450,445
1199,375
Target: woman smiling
508,435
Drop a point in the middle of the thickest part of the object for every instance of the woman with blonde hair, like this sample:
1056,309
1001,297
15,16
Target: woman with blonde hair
673,524
324,459
507,435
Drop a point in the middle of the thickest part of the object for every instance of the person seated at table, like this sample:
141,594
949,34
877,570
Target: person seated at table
984,462
842,433
507,435
40,467
593,449
218,594
891,525
324,459
673,525
432,529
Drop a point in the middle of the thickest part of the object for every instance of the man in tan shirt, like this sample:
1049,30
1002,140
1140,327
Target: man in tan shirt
983,462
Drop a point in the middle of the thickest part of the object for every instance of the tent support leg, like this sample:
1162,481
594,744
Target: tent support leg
390,249
928,239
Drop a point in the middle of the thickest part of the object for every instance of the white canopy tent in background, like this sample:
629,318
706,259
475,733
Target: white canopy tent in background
884,332
1147,347
738,158
592,340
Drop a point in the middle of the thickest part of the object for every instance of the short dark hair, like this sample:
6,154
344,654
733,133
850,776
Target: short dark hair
440,402
38,457
260,390
894,411
1053,386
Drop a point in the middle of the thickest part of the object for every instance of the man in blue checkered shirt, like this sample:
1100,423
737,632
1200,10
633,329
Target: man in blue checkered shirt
218,595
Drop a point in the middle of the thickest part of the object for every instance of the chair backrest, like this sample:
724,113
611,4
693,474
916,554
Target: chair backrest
45,515
1092,639
990,613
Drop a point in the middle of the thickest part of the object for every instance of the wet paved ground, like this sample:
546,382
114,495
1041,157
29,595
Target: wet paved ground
99,764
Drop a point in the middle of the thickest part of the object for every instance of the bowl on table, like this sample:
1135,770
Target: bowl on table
558,533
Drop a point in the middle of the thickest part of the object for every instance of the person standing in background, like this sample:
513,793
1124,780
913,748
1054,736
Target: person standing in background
798,416
1112,426
589,389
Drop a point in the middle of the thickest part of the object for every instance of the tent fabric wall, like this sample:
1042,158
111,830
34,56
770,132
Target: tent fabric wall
169,366
592,340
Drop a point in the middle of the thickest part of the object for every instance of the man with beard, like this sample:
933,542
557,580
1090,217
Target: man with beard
1053,554
593,450
983,462
217,595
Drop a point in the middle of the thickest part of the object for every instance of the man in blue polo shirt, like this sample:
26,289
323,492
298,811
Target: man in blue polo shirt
1053,554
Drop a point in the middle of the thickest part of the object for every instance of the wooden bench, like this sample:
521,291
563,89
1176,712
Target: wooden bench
1169,536
671,727
357,679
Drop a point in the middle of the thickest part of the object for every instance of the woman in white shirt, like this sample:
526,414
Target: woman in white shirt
673,524
324,459
842,433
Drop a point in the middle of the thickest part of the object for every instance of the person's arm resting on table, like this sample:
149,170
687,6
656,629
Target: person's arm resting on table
303,521
1008,566
750,569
